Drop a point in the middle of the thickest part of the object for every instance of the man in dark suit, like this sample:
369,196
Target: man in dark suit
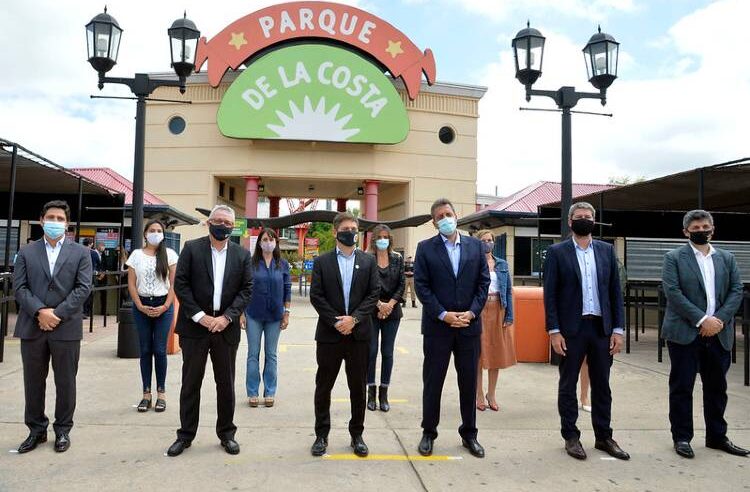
703,289
344,292
213,282
452,280
584,315
52,280
96,265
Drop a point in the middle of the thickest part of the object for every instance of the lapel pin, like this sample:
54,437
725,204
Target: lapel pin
356,266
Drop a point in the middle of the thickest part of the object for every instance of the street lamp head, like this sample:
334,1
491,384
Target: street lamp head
601,54
528,50
103,39
183,42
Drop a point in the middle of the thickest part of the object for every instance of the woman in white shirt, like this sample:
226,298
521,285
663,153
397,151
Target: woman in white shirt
150,283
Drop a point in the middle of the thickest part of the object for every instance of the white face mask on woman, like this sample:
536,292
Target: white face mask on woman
155,238
268,246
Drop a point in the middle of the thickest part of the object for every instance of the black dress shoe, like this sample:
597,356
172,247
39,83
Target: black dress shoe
728,447
474,447
62,443
230,446
574,448
178,447
319,446
359,446
383,397
31,442
371,403
611,447
425,446
684,449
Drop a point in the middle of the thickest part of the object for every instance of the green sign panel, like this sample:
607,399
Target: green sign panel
314,92
240,227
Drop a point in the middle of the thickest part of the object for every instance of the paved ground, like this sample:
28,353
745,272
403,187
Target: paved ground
116,448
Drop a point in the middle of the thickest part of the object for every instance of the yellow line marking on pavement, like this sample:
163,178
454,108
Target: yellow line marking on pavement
402,350
346,400
388,457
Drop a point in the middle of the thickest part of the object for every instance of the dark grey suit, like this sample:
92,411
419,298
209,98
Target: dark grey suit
65,290
690,353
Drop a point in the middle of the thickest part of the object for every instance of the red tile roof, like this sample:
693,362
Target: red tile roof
110,179
539,193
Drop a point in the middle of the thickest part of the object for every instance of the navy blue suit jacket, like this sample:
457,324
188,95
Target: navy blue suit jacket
439,290
563,300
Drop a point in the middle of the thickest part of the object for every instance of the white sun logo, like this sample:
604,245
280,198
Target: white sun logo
313,124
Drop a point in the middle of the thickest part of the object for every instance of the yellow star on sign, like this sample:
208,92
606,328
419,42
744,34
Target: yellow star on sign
238,40
394,48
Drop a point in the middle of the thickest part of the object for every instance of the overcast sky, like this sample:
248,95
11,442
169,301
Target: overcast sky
681,101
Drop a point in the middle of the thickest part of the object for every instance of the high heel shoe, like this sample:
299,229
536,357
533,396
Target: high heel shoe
493,405
481,406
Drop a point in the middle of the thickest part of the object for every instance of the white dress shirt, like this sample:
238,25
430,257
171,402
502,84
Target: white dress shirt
219,263
52,253
454,255
706,266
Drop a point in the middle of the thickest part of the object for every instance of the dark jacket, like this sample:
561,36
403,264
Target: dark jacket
65,291
392,284
563,300
686,295
96,261
194,287
439,290
327,296
272,287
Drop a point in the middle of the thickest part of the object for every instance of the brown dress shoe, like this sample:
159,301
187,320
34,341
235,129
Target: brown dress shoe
611,447
574,448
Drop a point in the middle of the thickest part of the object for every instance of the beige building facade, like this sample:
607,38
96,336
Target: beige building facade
198,167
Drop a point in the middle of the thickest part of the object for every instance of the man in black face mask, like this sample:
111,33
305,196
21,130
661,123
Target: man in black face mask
703,289
584,314
213,283
344,292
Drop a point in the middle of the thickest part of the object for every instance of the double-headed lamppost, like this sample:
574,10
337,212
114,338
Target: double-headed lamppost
103,34
600,55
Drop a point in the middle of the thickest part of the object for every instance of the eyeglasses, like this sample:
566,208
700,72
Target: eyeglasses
221,222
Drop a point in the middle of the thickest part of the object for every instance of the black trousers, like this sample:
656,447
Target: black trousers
593,344
36,355
195,352
437,356
355,355
709,358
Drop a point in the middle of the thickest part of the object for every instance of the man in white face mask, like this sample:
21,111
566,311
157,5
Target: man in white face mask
52,279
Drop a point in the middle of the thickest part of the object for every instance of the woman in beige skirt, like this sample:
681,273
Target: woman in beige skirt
498,343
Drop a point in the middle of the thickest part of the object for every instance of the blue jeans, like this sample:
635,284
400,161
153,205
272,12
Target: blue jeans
152,335
387,329
271,330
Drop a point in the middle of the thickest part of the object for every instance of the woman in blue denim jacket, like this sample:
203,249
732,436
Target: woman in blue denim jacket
498,342
267,315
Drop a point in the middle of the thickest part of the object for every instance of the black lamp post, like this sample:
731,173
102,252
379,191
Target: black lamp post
600,54
103,34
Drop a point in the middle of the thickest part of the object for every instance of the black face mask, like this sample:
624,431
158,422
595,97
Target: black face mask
582,227
219,232
347,238
700,237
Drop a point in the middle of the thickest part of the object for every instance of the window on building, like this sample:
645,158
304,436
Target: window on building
529,255
221,188
231,193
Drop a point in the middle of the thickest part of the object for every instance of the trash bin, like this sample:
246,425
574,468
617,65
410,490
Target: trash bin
173,342
532,341
127,335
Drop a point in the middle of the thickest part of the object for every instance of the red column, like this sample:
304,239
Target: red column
274,206
371,206
341,204
251,196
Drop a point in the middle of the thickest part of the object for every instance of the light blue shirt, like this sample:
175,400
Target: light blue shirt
454,255
52,253
589,284
346,269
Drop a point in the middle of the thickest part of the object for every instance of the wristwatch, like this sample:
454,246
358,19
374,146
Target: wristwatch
355,320
287,310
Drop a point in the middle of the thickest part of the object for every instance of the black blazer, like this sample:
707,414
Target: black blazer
563,300
392,284
327,295
194,287
439,290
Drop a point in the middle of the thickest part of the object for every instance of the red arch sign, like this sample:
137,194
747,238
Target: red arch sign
323,20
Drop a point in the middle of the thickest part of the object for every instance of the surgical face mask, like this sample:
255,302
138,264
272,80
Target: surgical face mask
155,238
219,232
347,238
268,246
488,247
447,225
582,227
382,243
700,237
54,230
